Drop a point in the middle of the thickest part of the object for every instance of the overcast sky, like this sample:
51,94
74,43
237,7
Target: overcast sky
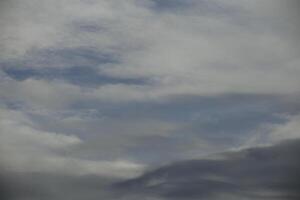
149,99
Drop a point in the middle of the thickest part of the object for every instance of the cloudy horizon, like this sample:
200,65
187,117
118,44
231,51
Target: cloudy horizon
149,99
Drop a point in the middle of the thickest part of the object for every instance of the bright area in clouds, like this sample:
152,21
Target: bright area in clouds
115,88
204,48
26,149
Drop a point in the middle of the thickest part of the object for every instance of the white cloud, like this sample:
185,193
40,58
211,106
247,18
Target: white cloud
39,93
272,133
247,50
24,148
181,53
35,25
288,130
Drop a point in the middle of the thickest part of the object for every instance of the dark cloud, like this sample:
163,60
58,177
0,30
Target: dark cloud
257,173
44,186
6,191
293,14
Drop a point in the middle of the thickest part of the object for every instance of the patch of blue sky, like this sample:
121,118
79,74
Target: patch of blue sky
78,66
171,4
203,7
78,75
206,116
157,149
224,121
219,124
228,124
187,108
63,58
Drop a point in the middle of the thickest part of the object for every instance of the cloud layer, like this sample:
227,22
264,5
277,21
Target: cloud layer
255,173
100,91
228,47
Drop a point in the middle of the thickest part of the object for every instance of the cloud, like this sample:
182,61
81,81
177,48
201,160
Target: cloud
84,76
190,53
289,130
119,125
25,148
34,186
270,133
96,87
36,93
34,25
255,173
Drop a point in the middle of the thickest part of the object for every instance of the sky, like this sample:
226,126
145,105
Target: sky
149,99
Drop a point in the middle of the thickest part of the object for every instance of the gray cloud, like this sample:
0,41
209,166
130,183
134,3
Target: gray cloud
256,173
26,148
183,54
270,172
46,186
108,87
